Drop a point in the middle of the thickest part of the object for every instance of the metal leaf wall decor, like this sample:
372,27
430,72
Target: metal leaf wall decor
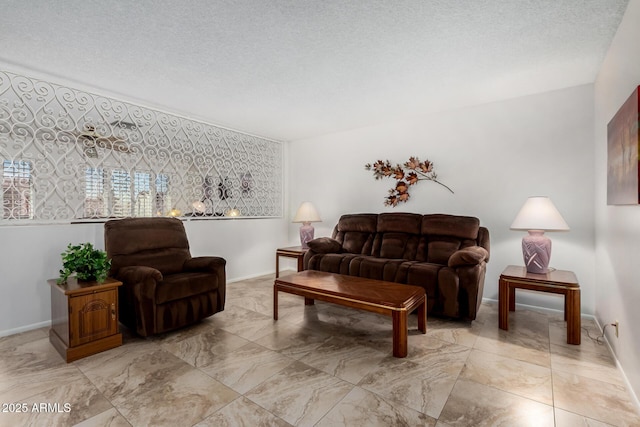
406,176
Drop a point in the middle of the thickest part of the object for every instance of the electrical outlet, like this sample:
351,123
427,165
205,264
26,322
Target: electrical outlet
615,324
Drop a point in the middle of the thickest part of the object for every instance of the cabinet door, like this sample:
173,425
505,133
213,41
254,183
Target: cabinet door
93,316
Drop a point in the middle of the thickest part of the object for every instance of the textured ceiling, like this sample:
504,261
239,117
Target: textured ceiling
291,69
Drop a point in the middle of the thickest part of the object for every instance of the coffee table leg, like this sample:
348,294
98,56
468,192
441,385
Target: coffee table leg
399,333
275,302
422,316
308,301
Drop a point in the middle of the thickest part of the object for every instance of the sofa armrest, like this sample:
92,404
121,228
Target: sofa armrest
325,245
472,255
484,241
205,263
321,245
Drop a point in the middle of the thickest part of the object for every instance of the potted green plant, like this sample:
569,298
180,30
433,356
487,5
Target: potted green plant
88,263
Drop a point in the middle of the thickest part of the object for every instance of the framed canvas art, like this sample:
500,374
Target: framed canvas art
623,145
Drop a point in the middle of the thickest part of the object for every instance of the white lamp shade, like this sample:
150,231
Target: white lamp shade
539,213
306,213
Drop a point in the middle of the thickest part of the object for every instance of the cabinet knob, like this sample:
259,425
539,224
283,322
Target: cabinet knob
113,311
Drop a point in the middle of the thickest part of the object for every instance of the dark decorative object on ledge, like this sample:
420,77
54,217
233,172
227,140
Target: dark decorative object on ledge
406,175
224,189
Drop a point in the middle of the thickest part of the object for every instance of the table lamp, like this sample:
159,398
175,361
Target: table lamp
538,215
306,214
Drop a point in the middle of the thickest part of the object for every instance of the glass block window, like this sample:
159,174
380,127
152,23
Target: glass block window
16,189
95,200
120,193
142,197
162,198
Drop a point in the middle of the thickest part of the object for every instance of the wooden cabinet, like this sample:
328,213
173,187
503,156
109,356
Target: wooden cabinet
84,317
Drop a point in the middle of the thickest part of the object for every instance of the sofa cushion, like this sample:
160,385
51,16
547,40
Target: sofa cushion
357,243
421,274
176,286
441,248
365,223
396,245
325,245
331,263
355,232
462,227
399,222
375,268
397,236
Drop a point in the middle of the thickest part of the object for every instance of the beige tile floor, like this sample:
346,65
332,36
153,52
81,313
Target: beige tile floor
322,365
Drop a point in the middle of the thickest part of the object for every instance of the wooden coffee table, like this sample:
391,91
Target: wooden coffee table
388,298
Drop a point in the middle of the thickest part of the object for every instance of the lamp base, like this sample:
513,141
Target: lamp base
536,250
306,234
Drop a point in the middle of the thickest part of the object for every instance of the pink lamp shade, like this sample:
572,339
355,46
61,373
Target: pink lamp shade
538,215
306,214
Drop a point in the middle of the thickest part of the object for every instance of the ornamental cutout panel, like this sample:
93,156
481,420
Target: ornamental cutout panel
70,155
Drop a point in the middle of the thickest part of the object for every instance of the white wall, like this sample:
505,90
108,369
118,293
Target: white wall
493,157
618,227
29,255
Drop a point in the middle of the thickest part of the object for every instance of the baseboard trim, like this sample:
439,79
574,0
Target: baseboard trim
26,328
538,308
634,396
252,276
47,323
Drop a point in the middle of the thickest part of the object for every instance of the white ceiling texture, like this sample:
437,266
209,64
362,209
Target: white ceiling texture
292,69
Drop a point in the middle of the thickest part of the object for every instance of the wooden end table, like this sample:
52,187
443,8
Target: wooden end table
84,317
557,281
291,252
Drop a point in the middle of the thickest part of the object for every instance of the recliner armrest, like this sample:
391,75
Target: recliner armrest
138,275
204,263
472,255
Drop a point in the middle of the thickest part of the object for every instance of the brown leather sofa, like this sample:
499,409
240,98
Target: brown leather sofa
445,254
163,288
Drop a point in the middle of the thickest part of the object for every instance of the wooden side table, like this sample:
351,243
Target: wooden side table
556,281
291,252
84,317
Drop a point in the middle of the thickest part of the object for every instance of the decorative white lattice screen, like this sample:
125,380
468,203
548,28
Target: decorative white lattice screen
70,155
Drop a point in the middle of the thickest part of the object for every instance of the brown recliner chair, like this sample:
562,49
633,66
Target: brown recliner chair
164,288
